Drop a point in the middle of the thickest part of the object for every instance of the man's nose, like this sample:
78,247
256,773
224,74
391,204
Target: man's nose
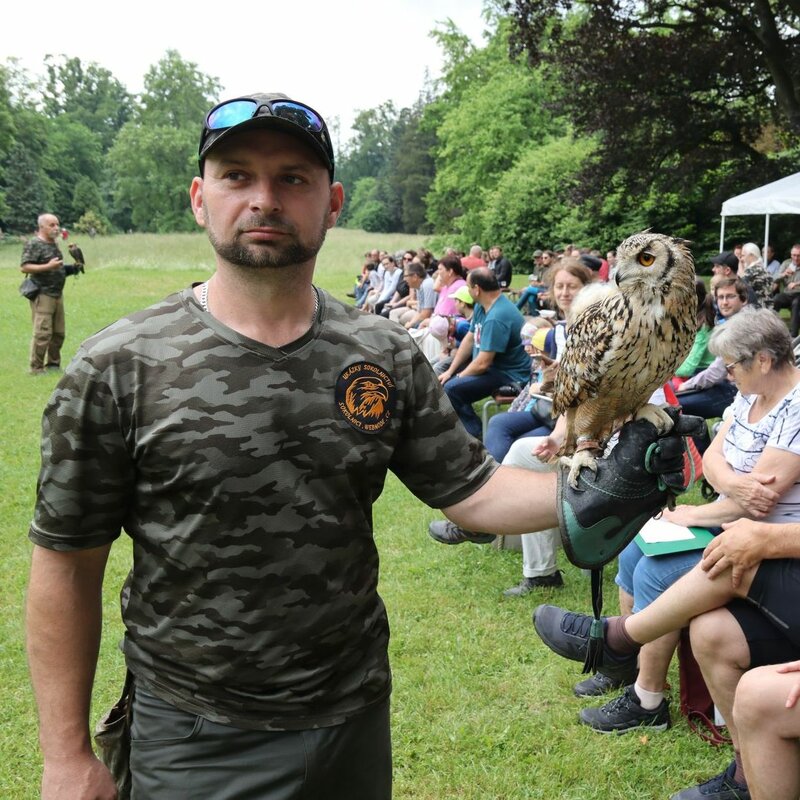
266,195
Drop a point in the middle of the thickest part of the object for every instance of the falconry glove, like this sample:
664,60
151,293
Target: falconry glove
640,476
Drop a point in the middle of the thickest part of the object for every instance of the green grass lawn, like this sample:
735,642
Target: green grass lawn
481,709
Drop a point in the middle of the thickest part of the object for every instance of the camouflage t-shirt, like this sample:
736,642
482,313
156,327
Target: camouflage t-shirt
761,281
245,476
37,251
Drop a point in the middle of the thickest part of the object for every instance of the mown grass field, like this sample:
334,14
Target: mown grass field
481,709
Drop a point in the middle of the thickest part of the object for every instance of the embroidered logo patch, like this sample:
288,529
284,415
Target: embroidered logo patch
366,396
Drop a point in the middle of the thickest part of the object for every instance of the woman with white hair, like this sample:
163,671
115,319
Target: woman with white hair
754,274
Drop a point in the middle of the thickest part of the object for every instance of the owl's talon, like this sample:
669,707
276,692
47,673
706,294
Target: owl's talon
655,414
581,459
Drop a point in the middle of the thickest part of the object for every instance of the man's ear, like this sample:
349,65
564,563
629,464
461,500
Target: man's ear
196,196
337,203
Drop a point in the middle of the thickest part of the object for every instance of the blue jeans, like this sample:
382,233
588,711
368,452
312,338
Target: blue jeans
707,403
646,577
508,426
463,392
529,297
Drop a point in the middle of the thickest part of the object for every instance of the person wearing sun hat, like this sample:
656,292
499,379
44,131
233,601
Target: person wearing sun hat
462,294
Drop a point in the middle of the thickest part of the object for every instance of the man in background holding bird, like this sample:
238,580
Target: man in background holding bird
43,263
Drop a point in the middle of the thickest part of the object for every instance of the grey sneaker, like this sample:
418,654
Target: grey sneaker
527,585
720,787
625,713
448,532
567,634
599,684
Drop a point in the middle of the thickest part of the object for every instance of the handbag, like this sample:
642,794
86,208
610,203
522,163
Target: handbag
696,703
29,289
113,739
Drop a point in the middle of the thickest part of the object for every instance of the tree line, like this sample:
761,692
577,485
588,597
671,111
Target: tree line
572,122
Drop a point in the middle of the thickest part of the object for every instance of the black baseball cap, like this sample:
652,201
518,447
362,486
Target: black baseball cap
726,259
272,111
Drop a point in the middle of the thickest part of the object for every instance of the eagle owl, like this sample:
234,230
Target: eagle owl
626,340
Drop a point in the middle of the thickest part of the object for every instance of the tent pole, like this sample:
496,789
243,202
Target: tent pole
722,234
766,241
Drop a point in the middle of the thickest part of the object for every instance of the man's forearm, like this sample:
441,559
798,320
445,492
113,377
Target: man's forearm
462,356
512,501
781,540
479,365
63,623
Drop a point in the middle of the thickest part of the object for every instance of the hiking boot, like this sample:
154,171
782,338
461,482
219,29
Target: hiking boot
599,684
567,634
625,713
527,585
447,532
720,787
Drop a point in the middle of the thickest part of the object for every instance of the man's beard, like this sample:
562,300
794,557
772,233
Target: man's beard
272,255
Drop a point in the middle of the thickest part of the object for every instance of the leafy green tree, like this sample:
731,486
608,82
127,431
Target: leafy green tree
87,198
7,130
479,140
151,169
177,94
412,172
672,88
87,94
368,210
92,221
369,151
529,206
73,153
25,190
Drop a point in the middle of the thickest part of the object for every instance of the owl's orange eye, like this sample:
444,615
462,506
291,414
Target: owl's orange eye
646,259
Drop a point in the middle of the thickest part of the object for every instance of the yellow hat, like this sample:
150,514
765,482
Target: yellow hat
539,338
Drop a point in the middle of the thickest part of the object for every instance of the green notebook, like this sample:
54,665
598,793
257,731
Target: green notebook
659,537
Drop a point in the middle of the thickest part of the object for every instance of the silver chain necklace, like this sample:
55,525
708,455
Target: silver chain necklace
204,301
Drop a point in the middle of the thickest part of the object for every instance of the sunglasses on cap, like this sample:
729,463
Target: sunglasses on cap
233,113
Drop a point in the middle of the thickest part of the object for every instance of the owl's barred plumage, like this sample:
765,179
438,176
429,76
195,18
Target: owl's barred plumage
627,340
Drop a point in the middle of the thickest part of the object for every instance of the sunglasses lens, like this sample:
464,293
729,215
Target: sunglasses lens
230,114
299,115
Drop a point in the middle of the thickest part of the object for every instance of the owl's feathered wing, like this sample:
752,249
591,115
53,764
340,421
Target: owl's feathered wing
591,340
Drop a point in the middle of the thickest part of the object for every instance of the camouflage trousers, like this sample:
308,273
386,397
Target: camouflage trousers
176,755
47,314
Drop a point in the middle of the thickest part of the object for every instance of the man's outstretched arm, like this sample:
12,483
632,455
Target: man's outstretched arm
633,483
63,623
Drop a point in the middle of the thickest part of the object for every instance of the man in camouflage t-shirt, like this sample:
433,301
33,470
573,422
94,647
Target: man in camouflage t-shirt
43,263
239,432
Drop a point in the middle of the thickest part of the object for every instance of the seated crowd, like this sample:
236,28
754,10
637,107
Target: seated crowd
735,595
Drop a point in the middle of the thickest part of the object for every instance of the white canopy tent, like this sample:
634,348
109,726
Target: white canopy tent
778,197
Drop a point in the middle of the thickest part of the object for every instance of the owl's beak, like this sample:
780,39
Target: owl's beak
616,277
